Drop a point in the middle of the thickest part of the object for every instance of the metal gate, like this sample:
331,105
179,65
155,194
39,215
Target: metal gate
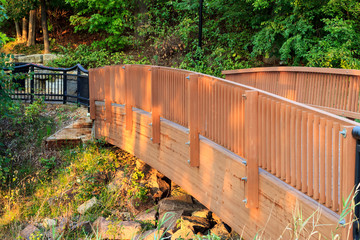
53,84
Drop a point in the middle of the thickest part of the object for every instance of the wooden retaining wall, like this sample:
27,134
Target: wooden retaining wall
248,155
333,90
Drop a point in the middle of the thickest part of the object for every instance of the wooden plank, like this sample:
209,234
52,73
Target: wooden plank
282,141
129,99
287,142
335,154
155,105
322,159
268,134
194,121
252,185
277,140
293,146
329,164
304,170
107,87
298,148
310,154
272,135
316,158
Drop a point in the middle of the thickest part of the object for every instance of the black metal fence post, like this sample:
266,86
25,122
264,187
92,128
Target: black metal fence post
78,85
356,224
64,87
32,72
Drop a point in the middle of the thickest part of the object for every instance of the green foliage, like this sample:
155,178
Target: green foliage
312,33
110,18
91,57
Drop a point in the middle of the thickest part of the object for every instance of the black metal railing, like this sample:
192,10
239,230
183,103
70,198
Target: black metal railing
53,84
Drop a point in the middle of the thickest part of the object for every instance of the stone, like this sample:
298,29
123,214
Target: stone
147,216
81,226
202,213
29,231
215,218
220,231
116,230
49,223
87,205
170,220
196,224
175,204
153,234
183,234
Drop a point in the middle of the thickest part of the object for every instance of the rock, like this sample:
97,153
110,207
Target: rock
81,227
175,204
196,224
135,205
170,220
29,231
147,216
183,234
215,218
112,230
202,213
220,231
116,183
153,234
142,166
87,205
49,223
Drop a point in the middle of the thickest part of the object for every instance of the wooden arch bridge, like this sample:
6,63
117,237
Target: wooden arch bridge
240,146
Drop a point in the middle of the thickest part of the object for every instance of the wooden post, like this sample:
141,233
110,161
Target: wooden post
155,105
128,98
348,174
107,87
194,121
92,79
251,148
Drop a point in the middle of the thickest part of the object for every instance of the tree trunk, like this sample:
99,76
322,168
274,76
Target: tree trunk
18,32
45,27
24,29
31,39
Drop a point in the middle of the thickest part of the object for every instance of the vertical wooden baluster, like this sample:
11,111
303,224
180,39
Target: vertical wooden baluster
298,148
287,142
268,134
335,153
155,105
260,130
316,157
129,98
329,165
293,146
322,160
304,171
310,152
252,185
273,141
277,139
194,122
263,138
283,134
107,87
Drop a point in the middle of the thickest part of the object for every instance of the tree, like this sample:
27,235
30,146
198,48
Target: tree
32,25
45,26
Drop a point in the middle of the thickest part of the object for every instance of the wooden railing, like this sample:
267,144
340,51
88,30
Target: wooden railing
334,90
309,149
